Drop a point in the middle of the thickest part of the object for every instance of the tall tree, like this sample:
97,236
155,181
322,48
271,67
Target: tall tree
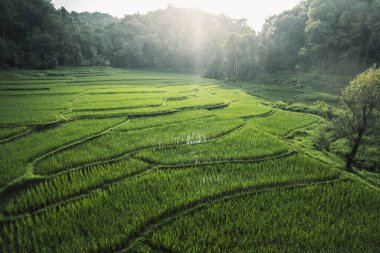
234,53
361,99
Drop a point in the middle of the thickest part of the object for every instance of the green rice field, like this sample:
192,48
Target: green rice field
113,160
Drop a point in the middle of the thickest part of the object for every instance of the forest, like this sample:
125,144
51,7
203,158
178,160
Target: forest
340,36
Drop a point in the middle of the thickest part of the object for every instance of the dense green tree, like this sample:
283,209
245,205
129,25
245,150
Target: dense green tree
250,49
361,100
282,38
339,33
215,66
97,20
234,54
35,34
322,35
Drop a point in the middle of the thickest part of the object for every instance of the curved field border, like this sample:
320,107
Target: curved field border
263,115
116,108
74,197
34,125
38,127
19,187
174,166
16,136
155,248
122,115
169,216
59,122
215,162
160,113
47,125
75,143
160,166
33,179
353,176
130,153
133,152
167,124
86,192
29,168
218,196
206,107
290,134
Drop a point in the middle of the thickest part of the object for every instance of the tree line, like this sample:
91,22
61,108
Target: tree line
322,35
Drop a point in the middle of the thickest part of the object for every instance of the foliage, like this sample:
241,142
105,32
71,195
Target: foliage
361,100
323,35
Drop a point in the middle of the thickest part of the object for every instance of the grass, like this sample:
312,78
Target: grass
7,132
71,184
143,198
169,119
101,159
331,218
283,122
16,155
23,109
119,143
121,104
245,144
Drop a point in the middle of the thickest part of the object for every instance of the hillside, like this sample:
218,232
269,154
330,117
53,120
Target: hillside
180,130
108,160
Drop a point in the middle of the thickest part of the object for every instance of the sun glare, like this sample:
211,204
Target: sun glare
254,11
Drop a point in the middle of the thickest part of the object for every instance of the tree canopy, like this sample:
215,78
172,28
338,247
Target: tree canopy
361,100
323,35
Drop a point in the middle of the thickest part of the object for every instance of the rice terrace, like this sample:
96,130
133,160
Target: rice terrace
138,159
146,152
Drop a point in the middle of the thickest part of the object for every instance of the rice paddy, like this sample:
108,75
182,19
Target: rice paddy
110,160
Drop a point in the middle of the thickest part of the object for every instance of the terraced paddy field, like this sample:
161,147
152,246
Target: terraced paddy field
108,160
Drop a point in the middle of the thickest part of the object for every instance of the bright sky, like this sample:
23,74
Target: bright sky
255,11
